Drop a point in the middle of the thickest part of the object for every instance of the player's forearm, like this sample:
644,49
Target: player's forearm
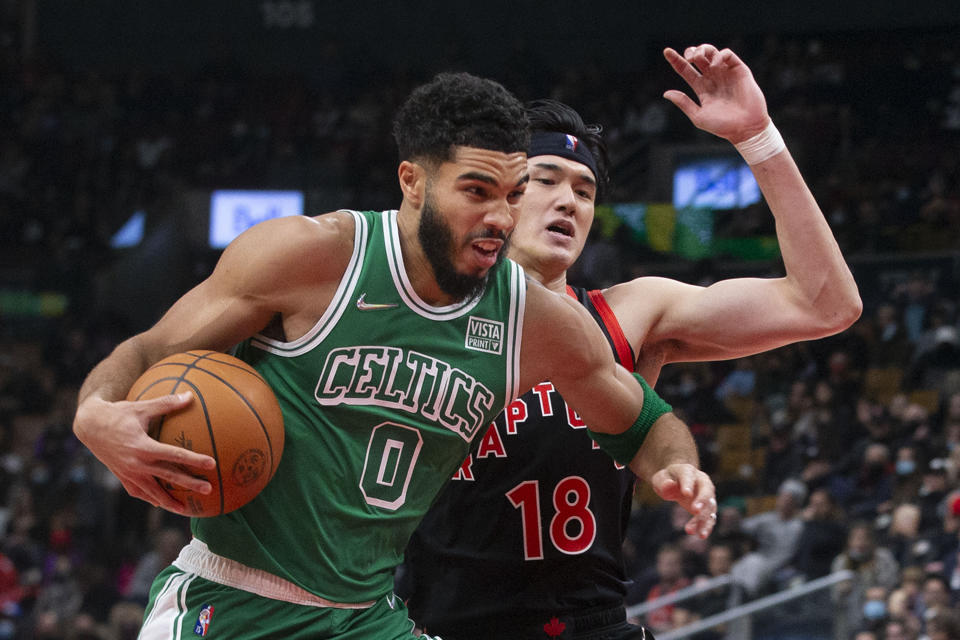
815,267
669,441
112,378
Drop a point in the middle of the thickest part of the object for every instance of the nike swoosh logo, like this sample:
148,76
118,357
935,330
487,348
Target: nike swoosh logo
363,305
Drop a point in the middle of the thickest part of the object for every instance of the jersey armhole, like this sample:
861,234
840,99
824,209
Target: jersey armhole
620,343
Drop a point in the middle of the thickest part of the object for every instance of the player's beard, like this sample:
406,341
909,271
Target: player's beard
436,238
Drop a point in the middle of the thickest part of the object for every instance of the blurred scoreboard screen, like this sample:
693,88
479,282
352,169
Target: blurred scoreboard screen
233,212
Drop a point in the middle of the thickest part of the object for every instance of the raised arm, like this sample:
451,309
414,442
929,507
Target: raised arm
743,316
266,271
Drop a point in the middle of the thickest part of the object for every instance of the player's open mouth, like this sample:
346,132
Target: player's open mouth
562,227
487,251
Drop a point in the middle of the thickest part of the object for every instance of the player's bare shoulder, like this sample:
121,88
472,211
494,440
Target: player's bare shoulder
649,308
333,234
295,246
290,266
647,292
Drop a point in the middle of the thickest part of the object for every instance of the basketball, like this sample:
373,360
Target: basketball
234,418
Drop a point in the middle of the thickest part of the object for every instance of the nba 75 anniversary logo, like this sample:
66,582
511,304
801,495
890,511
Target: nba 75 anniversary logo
484,335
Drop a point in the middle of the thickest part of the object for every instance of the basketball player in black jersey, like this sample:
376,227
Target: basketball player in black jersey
526,541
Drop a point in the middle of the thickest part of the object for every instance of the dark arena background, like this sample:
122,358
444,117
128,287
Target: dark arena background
138,137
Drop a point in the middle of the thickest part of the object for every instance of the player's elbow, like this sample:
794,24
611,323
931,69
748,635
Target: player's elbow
847,311
840,314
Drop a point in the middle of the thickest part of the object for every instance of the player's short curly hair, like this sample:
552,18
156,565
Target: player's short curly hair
552,115
459,109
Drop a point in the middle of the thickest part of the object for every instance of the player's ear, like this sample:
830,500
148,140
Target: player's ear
413,182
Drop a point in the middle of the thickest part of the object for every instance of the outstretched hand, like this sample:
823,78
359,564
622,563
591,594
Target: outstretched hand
693,490
116,433
729,102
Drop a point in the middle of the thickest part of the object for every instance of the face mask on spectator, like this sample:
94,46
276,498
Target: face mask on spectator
906,467
874,609
857,556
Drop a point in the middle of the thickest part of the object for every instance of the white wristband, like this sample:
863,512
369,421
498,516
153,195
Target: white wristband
762,146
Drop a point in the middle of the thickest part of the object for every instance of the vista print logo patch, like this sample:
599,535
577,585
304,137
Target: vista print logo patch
484,335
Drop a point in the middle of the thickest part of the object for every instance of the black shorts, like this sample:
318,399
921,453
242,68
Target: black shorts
603,624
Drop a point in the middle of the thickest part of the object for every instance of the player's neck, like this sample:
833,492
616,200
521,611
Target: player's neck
556,282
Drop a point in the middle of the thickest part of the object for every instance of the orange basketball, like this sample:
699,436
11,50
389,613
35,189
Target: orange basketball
234,418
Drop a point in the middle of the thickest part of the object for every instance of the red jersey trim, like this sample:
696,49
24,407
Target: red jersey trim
620,343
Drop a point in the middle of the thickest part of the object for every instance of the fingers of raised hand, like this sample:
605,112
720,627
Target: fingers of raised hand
702,55
683,68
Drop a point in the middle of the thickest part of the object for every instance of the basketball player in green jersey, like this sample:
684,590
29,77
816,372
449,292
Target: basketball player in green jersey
391,339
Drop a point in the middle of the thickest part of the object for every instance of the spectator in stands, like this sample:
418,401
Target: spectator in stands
903,535
904,601
844,377
799,410
671,578
720,558
739,382
785,456
873,566
932,494
874,607
908,468
832,426
947,544
823,537
899,629
887,341
935,367
945,625
167,543
870,485
59,599
649,530
941,315
776,534
951,421
934,596
729,528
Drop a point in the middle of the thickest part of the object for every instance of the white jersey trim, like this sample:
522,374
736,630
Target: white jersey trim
518,303
339,304
196,558
391,237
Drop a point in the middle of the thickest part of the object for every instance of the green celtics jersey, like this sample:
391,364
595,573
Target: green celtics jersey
381,400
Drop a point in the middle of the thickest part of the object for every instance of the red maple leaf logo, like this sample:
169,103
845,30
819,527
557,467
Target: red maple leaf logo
554,628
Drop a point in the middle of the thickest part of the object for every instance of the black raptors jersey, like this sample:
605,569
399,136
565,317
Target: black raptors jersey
532,524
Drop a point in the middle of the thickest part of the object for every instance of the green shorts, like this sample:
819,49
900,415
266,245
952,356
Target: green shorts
185,606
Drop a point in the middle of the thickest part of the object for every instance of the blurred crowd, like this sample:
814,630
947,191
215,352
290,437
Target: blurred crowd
872,118
855,439
855,464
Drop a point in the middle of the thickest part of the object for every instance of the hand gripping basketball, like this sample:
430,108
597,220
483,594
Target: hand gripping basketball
234,418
